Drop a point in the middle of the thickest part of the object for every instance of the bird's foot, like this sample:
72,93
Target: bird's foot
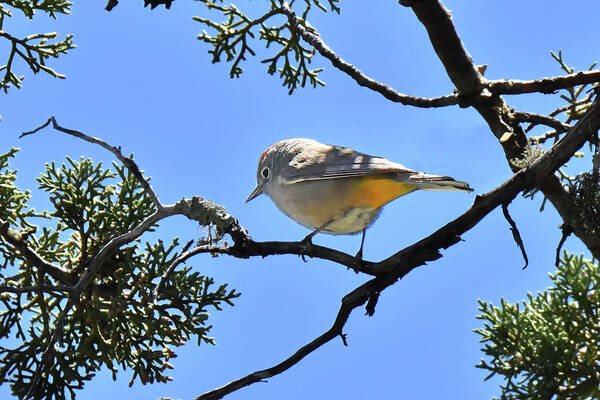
358,262
307,242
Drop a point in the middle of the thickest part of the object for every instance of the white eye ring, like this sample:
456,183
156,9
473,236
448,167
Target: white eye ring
265,172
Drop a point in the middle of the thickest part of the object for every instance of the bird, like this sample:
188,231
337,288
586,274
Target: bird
334,189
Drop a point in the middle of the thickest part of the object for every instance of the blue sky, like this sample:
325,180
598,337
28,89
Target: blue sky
140,79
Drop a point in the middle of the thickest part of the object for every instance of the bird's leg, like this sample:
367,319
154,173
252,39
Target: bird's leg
358,261
307,241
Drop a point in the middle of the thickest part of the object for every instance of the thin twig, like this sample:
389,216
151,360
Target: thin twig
539,119
363,80
544,137
251,248
515,233
571,106
128,162
35,387
351,301
185,254
566,231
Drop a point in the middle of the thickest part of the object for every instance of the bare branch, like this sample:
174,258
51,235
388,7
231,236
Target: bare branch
128,162
566,231
456,64
315,40
544,85
111,4
538,119
350,301
544,137
515,232
469,82
246,247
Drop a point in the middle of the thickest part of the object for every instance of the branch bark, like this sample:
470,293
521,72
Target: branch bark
15,238
544,85
128,162
363,80
467,79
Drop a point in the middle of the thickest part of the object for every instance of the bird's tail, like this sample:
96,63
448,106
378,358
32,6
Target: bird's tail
438,182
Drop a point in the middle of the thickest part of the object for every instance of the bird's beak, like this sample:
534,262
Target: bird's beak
257,191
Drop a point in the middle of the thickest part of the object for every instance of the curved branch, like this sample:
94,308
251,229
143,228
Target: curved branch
128,162
351,301
538,119
363,80
245,247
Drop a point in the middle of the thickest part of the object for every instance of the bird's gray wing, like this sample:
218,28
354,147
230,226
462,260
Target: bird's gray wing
329,162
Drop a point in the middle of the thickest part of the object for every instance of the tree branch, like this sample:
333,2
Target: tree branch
386,91
350,301
570,107
467,79
566,231
16,239
544,85
128,162
538,119
515,232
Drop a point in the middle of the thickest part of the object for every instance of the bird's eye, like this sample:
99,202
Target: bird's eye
265,172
